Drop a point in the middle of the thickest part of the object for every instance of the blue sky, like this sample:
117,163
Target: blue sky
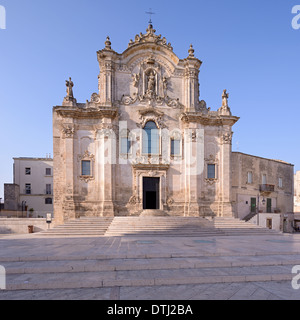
247,47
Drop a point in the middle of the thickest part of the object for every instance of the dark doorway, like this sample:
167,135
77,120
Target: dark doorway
150,193
253,205
269,205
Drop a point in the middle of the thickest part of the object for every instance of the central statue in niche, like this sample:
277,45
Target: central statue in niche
151,84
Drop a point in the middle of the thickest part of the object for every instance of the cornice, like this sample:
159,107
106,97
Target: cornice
208,119
87,113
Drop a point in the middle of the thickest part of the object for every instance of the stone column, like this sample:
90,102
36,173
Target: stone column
68,154
106,168
193,168
225,207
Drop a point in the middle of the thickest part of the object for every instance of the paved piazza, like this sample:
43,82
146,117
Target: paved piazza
158,268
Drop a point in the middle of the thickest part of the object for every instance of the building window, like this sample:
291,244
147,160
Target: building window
280,183
264,179
48,189
250,177
175,147
28,171
125,145
28,188
150,139
48,171
211,171
48,201
85,167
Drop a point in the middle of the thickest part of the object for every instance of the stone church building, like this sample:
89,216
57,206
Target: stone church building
145,143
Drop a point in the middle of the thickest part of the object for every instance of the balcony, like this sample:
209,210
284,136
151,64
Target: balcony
266,189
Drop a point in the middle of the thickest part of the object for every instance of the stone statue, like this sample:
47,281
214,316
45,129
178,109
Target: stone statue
165,83
135,79
151,83
225,97
224,110
70,85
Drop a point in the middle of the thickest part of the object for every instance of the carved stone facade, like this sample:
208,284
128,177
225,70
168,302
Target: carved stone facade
145,140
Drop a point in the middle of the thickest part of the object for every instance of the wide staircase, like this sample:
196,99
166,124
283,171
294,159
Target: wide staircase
182,227
161,226
157,226
82,227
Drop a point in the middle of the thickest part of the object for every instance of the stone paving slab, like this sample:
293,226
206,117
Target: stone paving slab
275,290
244,267
56,266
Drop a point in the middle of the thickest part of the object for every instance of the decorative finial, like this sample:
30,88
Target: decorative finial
191,51
107,43
150,13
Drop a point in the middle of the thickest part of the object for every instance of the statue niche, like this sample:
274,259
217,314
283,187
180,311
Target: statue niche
150,84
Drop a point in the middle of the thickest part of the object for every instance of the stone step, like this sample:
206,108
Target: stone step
34,275
85,226
156,226
180,226
95,265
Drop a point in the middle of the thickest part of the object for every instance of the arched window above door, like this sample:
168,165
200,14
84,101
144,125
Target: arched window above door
150,143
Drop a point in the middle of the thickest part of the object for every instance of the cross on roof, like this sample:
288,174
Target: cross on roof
150,13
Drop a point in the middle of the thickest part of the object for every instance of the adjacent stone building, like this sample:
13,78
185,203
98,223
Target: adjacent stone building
146,143
31,192
264,187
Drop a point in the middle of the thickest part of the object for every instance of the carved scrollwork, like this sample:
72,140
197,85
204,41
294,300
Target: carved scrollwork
95,98
68,131
174,103
86,156
127,100
133,200
150,36
211,159
226,138
170,201
86,179
210,181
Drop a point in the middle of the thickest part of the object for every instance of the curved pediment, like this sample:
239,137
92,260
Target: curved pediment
150,37
138,50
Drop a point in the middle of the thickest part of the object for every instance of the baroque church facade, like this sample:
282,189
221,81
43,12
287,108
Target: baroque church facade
144,144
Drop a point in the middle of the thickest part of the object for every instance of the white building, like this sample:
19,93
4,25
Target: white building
32,188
